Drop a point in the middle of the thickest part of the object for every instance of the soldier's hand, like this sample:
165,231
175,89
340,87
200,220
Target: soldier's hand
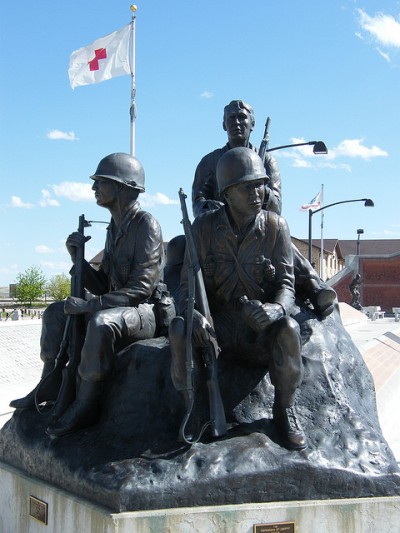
258,316
202,330
212,205
273,312
75,241
75,306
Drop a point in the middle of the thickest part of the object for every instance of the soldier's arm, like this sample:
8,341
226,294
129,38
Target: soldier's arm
144,271
203,188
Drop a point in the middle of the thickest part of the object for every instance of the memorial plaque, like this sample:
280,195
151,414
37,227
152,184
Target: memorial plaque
38,509
282,527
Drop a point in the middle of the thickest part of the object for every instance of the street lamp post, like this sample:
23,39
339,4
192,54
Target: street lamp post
319,147
367,203
359,232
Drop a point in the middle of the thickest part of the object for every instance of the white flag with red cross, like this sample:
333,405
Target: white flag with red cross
105,58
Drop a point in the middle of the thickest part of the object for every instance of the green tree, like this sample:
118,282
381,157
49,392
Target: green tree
59,287
30,285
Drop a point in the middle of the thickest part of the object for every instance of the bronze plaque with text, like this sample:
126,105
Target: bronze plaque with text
38,509
282,527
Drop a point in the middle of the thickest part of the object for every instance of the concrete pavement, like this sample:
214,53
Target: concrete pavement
378,342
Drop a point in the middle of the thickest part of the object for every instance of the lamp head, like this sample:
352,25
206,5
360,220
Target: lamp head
320,148
368,202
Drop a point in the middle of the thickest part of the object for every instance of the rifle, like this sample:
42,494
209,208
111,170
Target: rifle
197,293
265,141
60,385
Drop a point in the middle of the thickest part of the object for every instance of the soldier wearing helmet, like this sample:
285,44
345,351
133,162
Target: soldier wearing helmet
246,258
122,309
239,122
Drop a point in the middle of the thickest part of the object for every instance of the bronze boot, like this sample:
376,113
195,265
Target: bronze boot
83,412
28,401
289,426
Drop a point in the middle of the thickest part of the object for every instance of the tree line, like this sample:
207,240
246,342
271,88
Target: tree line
32,285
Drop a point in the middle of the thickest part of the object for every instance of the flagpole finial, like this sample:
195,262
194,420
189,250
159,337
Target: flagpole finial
133,8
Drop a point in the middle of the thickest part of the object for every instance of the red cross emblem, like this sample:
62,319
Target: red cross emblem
100,53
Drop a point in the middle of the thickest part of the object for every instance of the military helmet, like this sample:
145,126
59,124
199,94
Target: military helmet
123,168
238,165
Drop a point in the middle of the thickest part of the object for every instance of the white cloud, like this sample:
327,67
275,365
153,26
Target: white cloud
386,233
384,55
148,200
43,249
17,202
337,166
57,135
206,94
11,269
303,156
301,163
75,191
384,28
47,199
355,148
59,266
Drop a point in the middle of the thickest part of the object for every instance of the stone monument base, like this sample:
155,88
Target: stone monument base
27,504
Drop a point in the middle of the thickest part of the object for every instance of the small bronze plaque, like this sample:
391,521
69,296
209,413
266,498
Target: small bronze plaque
38,509
283,527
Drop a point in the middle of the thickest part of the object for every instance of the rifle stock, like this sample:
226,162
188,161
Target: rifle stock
197,293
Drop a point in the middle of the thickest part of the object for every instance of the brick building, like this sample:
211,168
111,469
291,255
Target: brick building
378,263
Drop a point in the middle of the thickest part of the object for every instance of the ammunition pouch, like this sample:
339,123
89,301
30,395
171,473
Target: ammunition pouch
164,308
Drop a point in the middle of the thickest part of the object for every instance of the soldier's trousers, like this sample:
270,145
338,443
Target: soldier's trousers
107,332
278,348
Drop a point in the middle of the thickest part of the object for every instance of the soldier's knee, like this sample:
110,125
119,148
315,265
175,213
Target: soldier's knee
53,311
289,325
288,333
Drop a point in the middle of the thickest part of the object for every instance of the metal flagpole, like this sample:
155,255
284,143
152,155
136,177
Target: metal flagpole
321,259
133,82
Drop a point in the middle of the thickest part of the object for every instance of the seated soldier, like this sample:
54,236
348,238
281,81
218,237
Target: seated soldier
245,254
123,309
238,122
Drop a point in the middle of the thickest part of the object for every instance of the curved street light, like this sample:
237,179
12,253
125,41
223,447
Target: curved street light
367,203
319,147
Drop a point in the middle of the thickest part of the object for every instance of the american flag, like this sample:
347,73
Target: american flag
315,203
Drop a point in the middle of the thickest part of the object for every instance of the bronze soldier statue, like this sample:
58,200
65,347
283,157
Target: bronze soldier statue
125,288
238,122
246,258
355,292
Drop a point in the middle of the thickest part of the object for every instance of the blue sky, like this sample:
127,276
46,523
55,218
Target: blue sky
320,70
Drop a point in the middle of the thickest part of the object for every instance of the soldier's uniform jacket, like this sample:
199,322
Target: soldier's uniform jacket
258,265
205,186
132,264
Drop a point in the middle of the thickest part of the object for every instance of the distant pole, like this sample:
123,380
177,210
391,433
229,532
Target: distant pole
359,233
132,110
310,213
321,260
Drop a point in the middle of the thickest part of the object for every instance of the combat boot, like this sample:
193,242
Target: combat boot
289,426
50,390
322,299
83,412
